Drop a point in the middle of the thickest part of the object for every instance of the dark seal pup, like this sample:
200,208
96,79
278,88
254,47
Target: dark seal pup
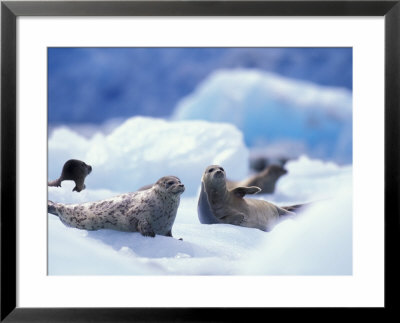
218,204
149,212
73,170
265,180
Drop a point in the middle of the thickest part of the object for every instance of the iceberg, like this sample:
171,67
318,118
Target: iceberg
143,149
285,117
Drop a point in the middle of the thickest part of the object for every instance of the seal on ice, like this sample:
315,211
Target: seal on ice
149,212
218,204
73,170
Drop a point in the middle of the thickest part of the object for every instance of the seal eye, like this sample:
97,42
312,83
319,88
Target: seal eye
221,169
170,183
211,170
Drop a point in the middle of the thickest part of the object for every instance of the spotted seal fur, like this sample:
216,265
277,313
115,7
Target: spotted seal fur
149,212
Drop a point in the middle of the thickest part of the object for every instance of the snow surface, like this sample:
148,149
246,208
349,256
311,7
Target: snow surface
141,150
287,116
317,242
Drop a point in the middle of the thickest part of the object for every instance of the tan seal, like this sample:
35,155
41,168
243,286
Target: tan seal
73,170
149,212
218,204
266,180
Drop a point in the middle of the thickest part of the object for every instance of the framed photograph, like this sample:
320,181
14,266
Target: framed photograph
154,123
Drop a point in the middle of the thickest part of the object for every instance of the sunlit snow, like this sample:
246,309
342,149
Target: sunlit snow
318,241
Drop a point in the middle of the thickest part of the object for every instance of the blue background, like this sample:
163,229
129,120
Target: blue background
92,85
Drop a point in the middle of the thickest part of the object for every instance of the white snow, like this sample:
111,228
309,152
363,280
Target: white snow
289,117
141,150
317,242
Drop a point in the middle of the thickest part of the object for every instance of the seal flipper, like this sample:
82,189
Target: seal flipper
51,208
56,183
293,208
242,191
145,229
284,212
235,219
79,185
204,211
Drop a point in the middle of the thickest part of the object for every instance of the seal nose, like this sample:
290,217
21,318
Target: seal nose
90,168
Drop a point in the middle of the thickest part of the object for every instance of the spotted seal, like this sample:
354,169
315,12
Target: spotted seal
149,212
266,180
218,204
74,170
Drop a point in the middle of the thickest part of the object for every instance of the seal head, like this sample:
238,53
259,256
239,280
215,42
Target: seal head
170,185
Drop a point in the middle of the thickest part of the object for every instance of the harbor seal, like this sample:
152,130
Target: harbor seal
149,212
74,170
259,163
265,180
218,204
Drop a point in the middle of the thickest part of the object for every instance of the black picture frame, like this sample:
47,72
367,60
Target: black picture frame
10,10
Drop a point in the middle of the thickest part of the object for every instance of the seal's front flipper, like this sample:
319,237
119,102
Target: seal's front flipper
204,212
235,219
145,229
242,191
79,185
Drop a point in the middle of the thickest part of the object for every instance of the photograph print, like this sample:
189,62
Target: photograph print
200,161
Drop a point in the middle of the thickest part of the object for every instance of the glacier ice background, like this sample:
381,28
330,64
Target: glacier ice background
277,115
144,149
94,85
